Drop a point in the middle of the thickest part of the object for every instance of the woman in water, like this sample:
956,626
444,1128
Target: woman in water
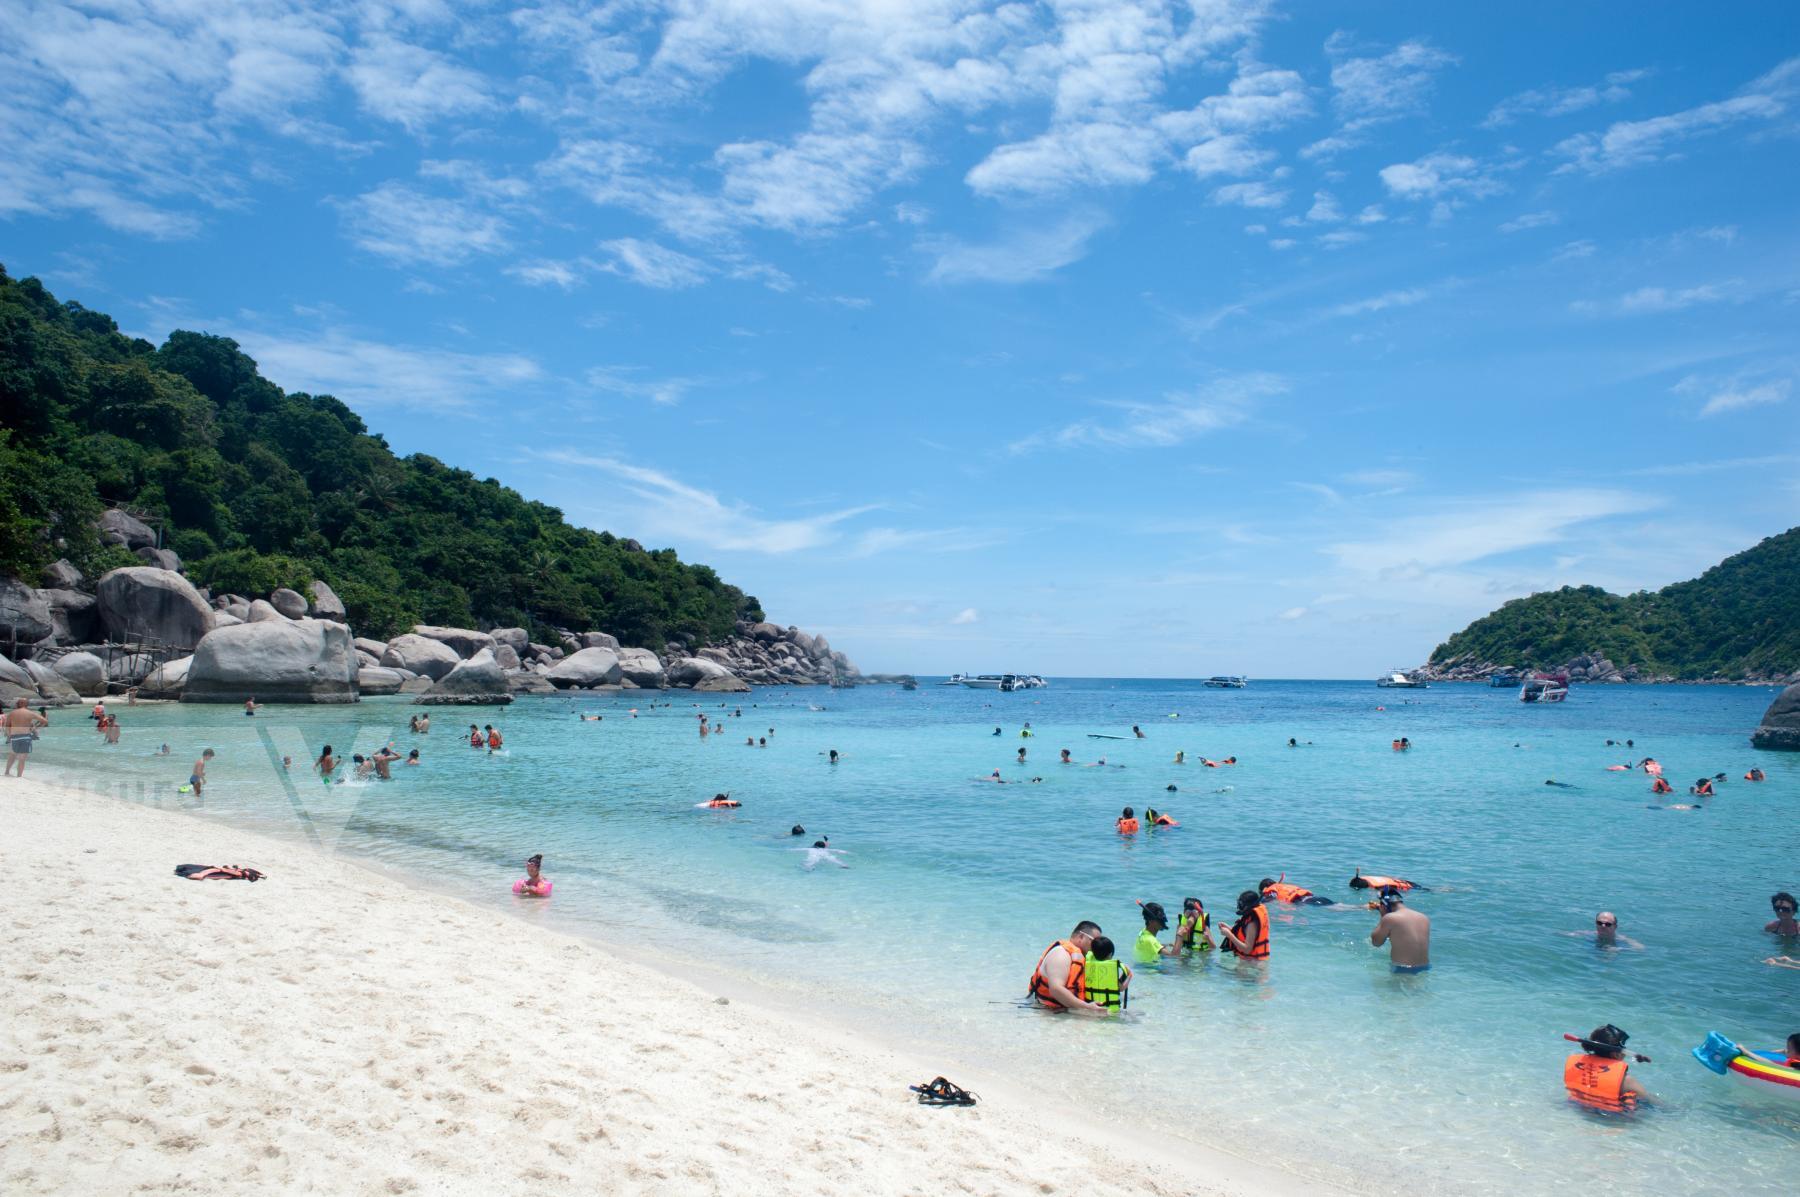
326,764
534,884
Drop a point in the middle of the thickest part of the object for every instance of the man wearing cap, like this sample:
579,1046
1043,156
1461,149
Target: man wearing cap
1406,932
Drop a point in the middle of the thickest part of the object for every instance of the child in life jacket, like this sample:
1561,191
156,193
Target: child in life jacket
1108,980
1597,1077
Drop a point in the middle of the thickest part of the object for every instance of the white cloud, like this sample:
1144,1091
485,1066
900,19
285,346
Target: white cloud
1466,531
1436,175
1022,255
1529,220
1656,300
1292,613
1338,238
675,509
1574,250
1373,89
1755,396
1324,208
630,380
413,86
1250,195
652,265
1745,389
1380,478
1560,101
411,227
910,212
1380,303
967,615
373,374
1634,143
1173,420
546,274
1232,154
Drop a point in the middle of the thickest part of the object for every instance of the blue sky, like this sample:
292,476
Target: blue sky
1086,338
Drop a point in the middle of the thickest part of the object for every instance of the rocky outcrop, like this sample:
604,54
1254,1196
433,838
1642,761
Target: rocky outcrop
166,680
289,603
326,604
74,616
143,603
262,611
121,527
374,648
277,661
24,616
1588,667
478,681
465,642
722,685
586,669
416,685
60,575
767,655
1780,727
375,680
516,638
16,683
523,682
421,654
599,640
691,671
51,685
159,558
641,668
507,656
84,671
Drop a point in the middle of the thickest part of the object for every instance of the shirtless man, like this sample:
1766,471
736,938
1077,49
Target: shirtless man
17,725
1050,981
197,779
1406,932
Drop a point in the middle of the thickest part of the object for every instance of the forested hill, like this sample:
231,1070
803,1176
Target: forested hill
260,488
1738,620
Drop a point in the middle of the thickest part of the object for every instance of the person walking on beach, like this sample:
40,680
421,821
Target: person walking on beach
1060,979
20,725
1407,933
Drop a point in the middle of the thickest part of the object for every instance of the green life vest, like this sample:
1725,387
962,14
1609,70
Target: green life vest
1149,948
1106,982
1195,940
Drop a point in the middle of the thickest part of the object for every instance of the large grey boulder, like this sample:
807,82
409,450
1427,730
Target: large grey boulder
466,642
599,640
261,611
521,682
723,685
373,679
120,527
160,558
24,616
420,654
53,686
642,668
507,656
60,575
1780,728
373,647
768,633
588,668
144,603
84,671
167,679
279,660
326,604
518,638
288,602
74,616
416,685
17,674
225,619
479,681
692,671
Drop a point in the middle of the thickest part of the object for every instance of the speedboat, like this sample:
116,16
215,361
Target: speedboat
955,679
1545,687
1032,681
1396,680
990,681
1227,682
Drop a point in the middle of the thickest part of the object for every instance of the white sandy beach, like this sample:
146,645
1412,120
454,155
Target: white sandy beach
329,1030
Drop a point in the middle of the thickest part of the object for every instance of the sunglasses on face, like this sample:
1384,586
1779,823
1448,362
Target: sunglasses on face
1604,923
1784,910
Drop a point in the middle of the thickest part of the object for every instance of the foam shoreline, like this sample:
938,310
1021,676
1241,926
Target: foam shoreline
333,1029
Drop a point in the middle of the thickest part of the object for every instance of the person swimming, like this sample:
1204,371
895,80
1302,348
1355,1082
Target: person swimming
534,884
1702,788
1561,785
1756,774
1598,1079
722,802
821,850
1127,823
797,830
1364,880
412,758
1281,890
1065,757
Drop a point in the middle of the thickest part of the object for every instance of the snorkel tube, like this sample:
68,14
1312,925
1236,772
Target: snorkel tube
1600,1047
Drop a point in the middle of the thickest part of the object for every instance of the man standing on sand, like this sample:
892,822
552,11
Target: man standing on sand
1406,932
19,726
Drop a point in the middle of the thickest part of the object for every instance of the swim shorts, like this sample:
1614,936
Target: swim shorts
21,745
194,780
1410,969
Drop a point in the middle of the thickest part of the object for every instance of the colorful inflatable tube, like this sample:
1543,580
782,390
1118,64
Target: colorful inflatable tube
1764,1072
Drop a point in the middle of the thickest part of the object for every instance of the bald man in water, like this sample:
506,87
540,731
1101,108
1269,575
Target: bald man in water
1406,932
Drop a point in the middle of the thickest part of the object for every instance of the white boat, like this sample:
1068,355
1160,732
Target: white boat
1227,682
1033,682
955,679
1545,687
1396,680
991,681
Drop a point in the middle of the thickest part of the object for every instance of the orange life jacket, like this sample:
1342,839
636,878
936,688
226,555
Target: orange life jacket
1077,979
723,803
1127,826
1704,789
1598,1083
1258,938
1659,786
474,739
493,739
1396,746
1283,891
1376,882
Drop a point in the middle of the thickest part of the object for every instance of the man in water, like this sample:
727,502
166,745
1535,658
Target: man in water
821,850
18,726
1784,923
1283,890
1065,757
1406,932
1606,933
1062,962
1021,754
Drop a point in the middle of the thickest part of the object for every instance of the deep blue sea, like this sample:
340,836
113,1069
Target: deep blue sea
954,885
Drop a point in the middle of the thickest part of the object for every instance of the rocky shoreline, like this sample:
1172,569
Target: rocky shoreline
147,628
1590,668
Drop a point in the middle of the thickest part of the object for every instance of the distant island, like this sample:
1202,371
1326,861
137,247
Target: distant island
1737,622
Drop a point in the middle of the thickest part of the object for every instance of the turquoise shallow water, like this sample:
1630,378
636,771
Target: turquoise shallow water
1451,1080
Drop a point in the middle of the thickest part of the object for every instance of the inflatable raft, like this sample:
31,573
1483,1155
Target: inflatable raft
1764,1072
